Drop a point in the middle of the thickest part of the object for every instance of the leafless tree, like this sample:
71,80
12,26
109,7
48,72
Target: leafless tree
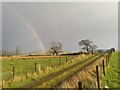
113,49
17,50
5,52
55,47
93,47
85,44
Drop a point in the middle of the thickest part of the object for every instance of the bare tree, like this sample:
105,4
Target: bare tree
85,44
55,47
93,47
17,50
5,52
113,49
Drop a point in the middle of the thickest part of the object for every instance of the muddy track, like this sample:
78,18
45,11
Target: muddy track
92,62
39,82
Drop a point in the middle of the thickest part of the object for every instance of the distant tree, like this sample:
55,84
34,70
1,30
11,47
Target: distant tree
113,49
17,49
85,44
5,52
55,47
100,51
93,47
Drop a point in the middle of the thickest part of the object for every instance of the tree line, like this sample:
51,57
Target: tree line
86,45
55,48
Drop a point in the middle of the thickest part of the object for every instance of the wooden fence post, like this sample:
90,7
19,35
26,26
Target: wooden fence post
35,66
13,72
60,61
66,58
2,84
80,85
108,58
103,64
97,74
49,62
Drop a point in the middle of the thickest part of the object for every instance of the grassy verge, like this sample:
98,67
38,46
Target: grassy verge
55,81
111,78
47,73
23,66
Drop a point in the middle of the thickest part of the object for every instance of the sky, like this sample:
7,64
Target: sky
0,26
33,25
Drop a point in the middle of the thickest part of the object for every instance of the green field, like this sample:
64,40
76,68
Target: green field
55,81
53,77
25,69
28,65
111,78
54,71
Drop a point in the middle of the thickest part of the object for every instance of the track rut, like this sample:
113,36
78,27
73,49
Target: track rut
45,79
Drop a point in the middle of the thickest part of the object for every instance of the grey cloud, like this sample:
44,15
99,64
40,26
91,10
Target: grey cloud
64,22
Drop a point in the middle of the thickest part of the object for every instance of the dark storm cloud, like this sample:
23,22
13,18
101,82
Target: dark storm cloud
64,22
0,41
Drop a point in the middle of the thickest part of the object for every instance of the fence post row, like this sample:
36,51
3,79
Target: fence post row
80,85
66,58
97,74
49,62
35,66
13,72
108,57
103,64
60,61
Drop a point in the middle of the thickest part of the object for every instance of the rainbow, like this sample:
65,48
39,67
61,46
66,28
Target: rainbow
29,26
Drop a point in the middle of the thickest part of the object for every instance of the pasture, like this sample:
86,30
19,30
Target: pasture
48,72
111,78
23,66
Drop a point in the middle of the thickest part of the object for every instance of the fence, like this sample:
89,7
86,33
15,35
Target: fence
60,60
108,56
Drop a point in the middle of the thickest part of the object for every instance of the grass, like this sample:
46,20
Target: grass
55,81
44,74
111,78
23,67
44,62
27,66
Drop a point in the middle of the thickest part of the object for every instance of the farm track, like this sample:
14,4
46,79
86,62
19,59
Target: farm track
45,79
92,62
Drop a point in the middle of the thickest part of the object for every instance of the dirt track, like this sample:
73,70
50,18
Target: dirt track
39,82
